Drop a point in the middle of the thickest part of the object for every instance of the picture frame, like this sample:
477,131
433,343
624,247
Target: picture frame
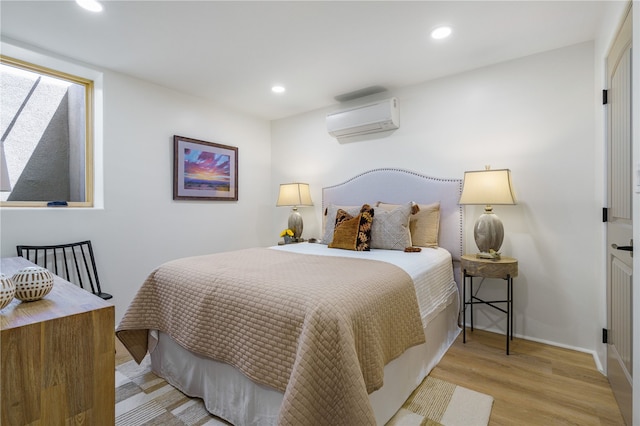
204,170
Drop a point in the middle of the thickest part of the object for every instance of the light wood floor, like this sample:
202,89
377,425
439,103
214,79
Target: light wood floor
536,384
122,355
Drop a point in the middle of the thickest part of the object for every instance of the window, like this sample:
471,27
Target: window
46,145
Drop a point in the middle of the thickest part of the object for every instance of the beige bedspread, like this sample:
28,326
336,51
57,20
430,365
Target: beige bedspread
318,328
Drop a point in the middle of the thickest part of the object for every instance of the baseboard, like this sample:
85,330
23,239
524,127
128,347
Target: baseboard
594,354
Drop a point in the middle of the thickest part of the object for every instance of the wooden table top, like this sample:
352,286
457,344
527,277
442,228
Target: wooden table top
490,268
64,299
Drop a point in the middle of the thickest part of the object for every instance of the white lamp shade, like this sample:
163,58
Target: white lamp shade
294,194
487,187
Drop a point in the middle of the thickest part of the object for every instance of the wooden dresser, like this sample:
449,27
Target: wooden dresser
57,357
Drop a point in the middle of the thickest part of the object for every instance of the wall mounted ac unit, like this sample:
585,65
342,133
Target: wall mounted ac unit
370,118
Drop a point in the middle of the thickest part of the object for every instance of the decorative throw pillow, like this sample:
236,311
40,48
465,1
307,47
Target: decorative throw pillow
424,225
391,228
330,222
353,233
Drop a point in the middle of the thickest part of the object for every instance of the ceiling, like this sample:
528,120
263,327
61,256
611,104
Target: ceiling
234,52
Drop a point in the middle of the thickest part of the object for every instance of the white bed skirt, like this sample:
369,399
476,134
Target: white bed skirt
230,395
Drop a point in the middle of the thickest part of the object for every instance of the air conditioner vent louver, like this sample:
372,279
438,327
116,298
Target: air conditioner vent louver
361,120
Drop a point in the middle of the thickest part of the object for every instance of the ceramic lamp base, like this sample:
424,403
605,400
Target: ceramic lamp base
295,223
488,232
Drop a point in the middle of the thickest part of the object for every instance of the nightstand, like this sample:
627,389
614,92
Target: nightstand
505,268
299,240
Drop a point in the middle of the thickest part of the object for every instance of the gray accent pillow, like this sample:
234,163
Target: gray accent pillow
424,225
391,228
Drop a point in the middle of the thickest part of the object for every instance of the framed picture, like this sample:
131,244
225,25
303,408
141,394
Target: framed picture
204,170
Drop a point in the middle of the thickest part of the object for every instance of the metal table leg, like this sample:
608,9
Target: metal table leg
464,307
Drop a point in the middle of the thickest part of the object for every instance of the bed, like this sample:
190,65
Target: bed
291,341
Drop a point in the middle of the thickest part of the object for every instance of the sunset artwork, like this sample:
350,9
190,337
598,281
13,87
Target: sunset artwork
205,170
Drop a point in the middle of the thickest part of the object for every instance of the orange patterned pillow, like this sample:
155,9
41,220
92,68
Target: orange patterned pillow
353,233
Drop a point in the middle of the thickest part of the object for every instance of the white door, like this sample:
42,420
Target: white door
619,222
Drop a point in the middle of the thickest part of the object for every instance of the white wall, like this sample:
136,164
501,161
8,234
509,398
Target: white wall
533,115
140,225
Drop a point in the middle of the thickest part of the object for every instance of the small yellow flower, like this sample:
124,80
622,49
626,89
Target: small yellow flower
287,232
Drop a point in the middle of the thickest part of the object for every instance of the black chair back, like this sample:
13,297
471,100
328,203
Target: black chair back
74,262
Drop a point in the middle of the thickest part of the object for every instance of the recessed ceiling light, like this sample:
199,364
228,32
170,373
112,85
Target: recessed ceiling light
278,89
91,5
440,33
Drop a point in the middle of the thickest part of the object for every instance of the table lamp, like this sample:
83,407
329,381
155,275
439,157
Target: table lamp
488,187
294,195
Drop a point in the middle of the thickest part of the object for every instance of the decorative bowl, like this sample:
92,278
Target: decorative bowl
7,290
32,283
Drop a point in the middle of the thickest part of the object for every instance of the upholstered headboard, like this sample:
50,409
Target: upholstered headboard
397,186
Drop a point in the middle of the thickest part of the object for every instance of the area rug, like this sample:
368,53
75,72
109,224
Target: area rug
142,398
436,402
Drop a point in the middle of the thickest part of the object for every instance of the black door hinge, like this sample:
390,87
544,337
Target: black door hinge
605,214
605,335
605,97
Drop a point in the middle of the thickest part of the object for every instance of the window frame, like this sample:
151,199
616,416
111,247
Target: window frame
89,142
